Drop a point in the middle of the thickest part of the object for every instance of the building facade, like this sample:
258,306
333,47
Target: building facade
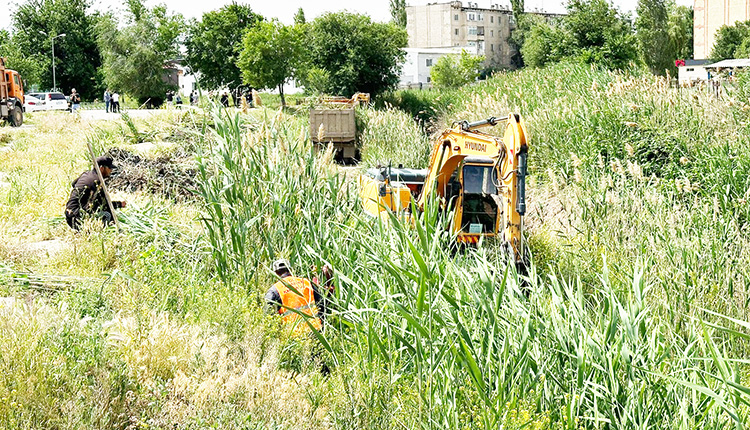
418,63
478,30
692,71
481,31
709,16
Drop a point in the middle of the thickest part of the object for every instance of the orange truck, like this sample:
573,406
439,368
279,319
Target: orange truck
11,95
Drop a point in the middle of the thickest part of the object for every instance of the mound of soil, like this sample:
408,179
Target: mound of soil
171,177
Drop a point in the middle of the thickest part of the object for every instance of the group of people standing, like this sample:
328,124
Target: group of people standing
237,97
175,98
111,101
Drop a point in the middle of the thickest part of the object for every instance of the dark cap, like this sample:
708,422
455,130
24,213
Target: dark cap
105,161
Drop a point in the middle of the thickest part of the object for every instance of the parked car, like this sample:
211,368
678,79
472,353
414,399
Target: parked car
52,100
32,104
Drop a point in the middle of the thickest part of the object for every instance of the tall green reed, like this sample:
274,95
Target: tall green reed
591,350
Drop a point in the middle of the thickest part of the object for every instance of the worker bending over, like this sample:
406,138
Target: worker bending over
291,296
87,197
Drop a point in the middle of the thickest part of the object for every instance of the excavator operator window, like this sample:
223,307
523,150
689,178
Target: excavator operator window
479,208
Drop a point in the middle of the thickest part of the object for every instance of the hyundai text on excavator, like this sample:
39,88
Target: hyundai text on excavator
480,177
11,95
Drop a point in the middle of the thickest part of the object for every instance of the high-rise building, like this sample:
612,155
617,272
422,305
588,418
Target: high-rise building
709,16
479,30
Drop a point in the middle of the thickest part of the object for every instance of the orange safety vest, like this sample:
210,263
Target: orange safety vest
292,301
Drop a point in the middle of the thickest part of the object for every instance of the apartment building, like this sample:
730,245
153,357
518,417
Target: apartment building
480,31
709,16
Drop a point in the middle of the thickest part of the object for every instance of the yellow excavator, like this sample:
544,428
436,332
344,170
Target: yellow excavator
480,177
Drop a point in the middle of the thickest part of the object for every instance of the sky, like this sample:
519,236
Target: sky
284,10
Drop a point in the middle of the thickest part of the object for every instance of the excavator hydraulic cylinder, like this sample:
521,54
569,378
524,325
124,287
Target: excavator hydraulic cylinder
521,182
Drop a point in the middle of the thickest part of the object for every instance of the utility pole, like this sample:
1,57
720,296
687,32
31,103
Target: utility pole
54,78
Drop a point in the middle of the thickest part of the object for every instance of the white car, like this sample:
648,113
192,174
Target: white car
32,104
52,100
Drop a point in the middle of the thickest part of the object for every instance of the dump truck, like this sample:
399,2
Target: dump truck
336,124
479,178
11,95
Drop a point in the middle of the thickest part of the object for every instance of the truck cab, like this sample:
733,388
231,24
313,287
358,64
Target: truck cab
11,95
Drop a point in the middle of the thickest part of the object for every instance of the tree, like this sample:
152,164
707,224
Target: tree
680,31
600,34
347,53
544,43
652,31
729,41
77,57
213,45
299,17
29,67
518,34
270,55
451,71
398,12
135,56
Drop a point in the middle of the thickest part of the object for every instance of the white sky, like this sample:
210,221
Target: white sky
284,10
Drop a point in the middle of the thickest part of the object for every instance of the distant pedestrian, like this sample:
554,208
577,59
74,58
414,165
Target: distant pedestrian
115,102
249,98
225,99
178,100
75,100
169,97
236,97
107,99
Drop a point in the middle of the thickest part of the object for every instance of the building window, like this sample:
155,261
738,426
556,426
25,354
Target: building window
689,69
511,20
472,17
428,79
428,63
492,33
480,31
479,17
455,17
472,31
456,32
492,47
492,19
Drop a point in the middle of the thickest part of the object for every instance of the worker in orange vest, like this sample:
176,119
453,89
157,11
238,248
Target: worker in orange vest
291,296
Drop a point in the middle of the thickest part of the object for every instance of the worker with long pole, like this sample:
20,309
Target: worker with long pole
90,196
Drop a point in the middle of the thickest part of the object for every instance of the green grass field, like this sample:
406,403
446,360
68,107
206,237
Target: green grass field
634,313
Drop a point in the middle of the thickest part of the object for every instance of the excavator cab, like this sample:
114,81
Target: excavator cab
481,178
478,201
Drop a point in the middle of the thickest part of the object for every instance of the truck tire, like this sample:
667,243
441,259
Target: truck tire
15,116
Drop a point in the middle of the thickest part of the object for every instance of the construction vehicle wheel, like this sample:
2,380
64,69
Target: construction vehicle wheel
16,117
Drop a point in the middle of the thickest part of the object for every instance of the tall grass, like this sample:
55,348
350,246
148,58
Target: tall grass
589,344
634,314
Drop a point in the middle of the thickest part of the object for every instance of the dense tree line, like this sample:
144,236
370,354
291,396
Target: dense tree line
732,41
337,53
232,47
594,31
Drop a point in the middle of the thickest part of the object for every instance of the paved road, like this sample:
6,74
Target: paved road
101,115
